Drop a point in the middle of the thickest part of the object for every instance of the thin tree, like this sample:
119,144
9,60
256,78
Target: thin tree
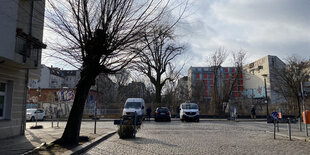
229,85
156,59
97,36
215,61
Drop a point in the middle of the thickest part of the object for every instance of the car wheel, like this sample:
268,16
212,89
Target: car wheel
43,119
32,119
182,120
169,120
156,119
197,120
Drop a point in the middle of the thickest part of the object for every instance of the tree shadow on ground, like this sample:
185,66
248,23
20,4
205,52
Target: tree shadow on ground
143,140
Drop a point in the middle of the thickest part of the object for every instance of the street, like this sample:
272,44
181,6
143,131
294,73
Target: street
205,137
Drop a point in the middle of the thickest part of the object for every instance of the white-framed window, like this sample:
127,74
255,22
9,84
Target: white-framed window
3,96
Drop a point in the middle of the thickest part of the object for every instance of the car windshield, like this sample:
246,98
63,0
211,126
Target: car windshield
162,110
31,110
189,106
134,105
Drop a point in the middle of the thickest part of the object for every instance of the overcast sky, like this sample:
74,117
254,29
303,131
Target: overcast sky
261,27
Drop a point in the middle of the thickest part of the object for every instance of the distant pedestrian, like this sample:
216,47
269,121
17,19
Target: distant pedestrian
253,113
148,112
235,113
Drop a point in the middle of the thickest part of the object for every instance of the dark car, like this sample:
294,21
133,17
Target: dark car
162,113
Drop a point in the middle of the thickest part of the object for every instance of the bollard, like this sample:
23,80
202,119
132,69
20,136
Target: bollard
289,129
274,129
52,121
120,128
135,125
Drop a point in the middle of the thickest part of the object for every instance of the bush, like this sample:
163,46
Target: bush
127,130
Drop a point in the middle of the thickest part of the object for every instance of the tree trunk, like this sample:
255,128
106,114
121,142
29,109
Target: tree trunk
158,93
72,130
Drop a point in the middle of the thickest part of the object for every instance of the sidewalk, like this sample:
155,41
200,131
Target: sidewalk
295,132
35,137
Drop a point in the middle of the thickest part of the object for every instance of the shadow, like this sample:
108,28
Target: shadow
15,145
143,140
33,136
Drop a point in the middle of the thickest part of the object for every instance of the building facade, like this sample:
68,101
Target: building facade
201,82
255,73
21,30
53,77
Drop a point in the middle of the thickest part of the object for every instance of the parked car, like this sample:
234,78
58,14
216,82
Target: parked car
133,105
33,114
162,113
189,112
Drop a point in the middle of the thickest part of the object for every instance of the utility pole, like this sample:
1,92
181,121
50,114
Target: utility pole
304,107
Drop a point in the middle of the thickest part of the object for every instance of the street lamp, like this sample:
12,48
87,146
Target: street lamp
266,97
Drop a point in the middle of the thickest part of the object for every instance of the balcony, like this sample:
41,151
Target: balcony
28,50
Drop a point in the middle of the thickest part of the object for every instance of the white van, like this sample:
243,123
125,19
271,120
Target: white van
134,105
189,111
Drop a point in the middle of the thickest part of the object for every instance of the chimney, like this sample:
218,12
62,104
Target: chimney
51,66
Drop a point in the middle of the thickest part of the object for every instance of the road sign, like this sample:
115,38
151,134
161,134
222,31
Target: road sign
274,115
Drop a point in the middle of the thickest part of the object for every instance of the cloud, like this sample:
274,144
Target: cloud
264,27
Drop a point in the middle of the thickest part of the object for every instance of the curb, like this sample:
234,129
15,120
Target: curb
293,137
82,148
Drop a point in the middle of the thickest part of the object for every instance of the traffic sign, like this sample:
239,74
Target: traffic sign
274,115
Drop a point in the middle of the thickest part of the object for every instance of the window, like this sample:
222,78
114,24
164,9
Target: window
197,76
233,69
205,75
226,69
227,76
2,99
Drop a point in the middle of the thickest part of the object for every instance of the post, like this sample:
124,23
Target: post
289,129
120,128
278,127
95,119
36,118
274,129
266,97
304,107
135,125
57,115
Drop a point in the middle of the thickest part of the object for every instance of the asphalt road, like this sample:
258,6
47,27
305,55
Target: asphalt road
205,137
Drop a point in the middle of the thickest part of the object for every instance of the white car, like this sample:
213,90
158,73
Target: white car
33,114
133,105
189,111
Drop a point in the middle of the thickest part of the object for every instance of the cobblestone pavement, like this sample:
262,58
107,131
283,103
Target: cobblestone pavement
205,137
34,137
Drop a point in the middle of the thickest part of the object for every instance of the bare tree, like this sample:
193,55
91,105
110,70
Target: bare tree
215,61
288,79
101,35
156,59
230,84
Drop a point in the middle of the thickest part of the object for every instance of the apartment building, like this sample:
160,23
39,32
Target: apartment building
201,82
21,30
254,75
53,77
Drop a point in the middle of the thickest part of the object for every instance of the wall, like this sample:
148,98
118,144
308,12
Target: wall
8,18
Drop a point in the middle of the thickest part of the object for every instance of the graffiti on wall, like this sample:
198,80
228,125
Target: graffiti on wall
65,95
255,92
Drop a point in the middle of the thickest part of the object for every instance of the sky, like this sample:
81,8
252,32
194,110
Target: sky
260,27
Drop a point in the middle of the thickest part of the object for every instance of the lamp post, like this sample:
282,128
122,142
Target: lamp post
266,97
